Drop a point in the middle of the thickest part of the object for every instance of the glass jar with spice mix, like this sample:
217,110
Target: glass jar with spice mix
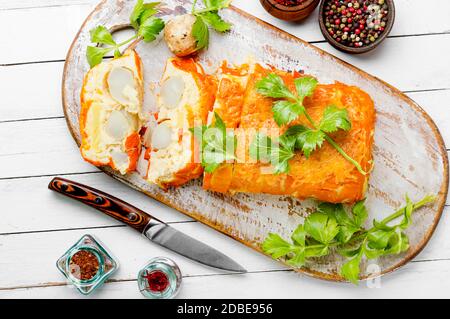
160,279
87,264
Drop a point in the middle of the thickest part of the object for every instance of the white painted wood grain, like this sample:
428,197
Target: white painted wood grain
437,105
133,251
56,25
39,148
44,210
59,22
412,63
416,280
31,91
32,4
130,248
45,147
42,98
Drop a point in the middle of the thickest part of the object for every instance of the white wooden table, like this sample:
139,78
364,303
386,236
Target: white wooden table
37,226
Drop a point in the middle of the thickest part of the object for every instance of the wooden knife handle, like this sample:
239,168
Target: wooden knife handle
105,203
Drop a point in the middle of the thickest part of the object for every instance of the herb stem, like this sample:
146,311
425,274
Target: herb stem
204,10
345,155
334,144
193,6
127,41
310,120
426,200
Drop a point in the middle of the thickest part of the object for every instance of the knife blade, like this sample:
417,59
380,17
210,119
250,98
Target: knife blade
149,226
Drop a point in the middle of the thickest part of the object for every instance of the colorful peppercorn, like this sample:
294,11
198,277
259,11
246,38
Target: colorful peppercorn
359,22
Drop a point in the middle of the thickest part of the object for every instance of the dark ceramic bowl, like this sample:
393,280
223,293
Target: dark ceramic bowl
363,49
286,13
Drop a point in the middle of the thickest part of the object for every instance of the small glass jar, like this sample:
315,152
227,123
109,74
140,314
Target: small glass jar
159,279
97,253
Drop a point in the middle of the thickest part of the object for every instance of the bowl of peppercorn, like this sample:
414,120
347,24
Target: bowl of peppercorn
290,10
356,26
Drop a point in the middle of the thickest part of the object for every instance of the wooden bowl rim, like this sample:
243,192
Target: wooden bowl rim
280,7
364,49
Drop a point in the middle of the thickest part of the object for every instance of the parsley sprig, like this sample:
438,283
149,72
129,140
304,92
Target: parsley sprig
277,152
142,19
217,144
289,107
331,228
209,17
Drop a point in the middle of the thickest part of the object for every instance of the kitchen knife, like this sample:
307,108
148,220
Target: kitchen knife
152,228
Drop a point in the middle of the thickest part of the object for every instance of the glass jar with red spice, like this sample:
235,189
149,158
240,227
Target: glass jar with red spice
159,279
87,264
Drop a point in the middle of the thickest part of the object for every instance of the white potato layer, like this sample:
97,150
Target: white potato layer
172,91
161,136
121,85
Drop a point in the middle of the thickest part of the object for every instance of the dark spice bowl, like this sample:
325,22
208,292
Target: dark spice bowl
366,47
290,13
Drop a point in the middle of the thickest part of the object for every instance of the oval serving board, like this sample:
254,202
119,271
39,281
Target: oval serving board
409,153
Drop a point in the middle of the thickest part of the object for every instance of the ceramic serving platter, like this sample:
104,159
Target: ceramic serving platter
409,153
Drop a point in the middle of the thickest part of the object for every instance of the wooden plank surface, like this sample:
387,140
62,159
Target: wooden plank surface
416,280
66,20
35,143
43,98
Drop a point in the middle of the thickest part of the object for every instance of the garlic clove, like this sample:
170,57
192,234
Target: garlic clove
172,91
117,125
120,83
161,136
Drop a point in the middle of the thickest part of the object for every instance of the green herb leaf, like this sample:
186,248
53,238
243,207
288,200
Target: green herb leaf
299,258
298,236
200,32
217,4
360,214
262,148
213,19
350,270
349,250
379,239
217,145
318,250
101,35
407,219
347,225
274,87
285,111
149,11
142,12
321,227
397,244
276,246
305,86
150,28
95,54
280,157
334,119
136,14
310,140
